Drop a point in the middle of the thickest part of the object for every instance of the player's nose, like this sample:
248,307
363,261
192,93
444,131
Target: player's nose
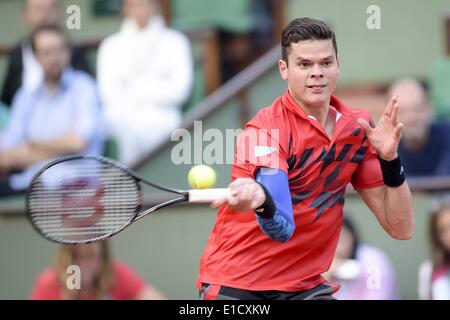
316,71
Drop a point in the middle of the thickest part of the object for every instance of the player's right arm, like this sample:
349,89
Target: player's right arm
262,183
269,197
275,216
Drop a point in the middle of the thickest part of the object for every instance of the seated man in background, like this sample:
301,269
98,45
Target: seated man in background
424,147
61,116
23,68
363,272
145,76
101,277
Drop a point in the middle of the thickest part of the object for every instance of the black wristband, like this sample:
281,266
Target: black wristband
268,208
393,174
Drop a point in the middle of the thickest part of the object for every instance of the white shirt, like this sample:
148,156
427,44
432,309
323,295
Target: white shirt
144,77
32,74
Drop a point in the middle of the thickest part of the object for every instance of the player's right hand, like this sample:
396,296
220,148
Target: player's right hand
245,194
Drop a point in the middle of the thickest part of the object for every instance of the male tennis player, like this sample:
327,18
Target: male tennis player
277,232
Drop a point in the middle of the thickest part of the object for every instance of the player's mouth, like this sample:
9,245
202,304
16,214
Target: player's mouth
316,88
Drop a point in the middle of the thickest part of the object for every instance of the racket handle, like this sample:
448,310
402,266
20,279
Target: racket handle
208,195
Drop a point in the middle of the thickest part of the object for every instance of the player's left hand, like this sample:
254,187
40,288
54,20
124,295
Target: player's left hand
385,137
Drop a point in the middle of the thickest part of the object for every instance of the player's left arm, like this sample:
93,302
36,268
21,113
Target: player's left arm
392,208
392,203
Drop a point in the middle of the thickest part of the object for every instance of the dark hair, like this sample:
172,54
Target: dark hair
348,224
301,29
46,28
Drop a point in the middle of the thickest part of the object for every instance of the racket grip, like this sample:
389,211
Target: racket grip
208,195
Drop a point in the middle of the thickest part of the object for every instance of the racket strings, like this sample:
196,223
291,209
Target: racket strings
82,200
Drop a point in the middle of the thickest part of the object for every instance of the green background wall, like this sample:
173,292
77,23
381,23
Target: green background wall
410,38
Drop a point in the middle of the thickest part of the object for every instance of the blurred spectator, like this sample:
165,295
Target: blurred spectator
23,68
434,274
424,147
101,277
439,84
61,116
241,48
363,272
145,75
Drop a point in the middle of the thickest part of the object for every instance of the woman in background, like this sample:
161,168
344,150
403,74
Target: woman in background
434,274
101,277
363,272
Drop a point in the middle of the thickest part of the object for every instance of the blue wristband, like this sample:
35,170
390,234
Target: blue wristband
268,208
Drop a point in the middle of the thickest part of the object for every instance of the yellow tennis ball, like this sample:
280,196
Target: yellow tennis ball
201,177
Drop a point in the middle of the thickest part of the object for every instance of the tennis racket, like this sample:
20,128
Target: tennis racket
82,199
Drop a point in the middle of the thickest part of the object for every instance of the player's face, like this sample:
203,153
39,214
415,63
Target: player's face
311,72
52,53
443,228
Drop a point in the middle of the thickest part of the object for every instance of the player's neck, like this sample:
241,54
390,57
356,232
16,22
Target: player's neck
319,112
323,114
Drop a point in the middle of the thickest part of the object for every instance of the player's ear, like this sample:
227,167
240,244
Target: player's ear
283,67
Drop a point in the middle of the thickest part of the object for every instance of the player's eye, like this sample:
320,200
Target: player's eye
304,65
327,63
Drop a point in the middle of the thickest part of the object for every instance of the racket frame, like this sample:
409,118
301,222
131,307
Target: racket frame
184,196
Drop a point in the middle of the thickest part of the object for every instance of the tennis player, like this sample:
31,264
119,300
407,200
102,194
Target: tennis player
278,231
